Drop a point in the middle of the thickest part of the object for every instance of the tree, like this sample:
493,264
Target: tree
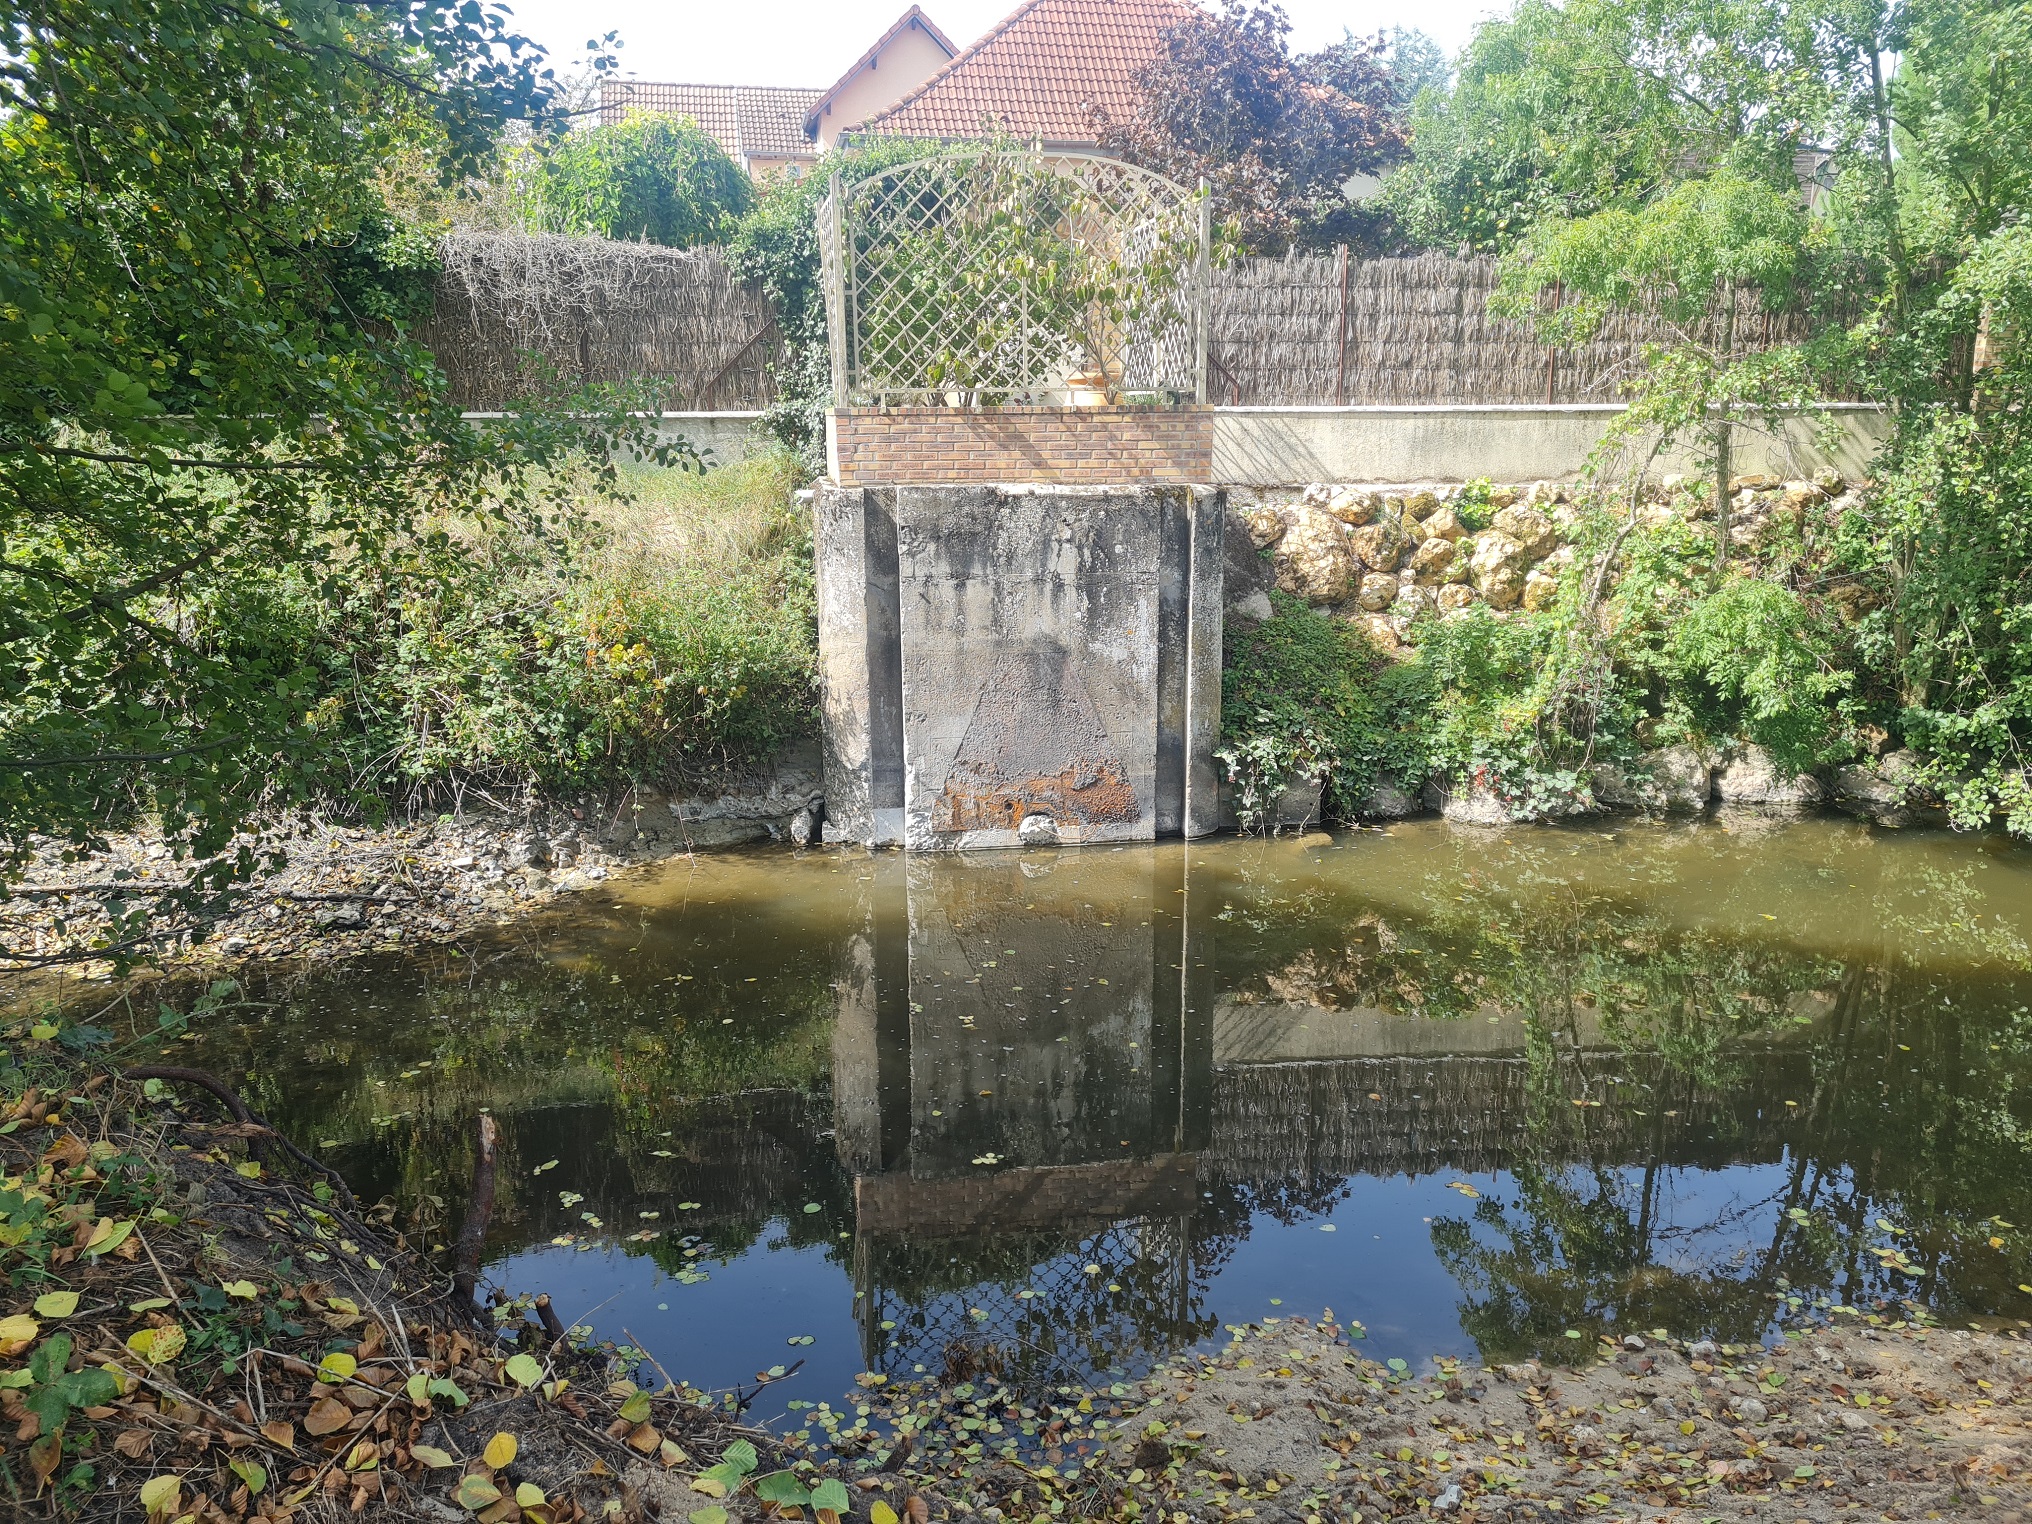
1275,136
1705,255
659,178
191,397
1567,110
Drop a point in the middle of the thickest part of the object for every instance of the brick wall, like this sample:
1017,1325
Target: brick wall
1073,447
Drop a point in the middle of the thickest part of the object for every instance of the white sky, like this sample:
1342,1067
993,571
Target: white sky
811,42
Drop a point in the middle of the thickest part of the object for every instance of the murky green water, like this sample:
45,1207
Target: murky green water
1058,1113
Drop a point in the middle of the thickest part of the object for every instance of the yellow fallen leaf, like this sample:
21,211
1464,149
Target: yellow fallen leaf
337,1366
18,1329
245,1290
431,1456
159,1495
529,1495
500,1450
57,1304
711,1486
158,1346
881,1513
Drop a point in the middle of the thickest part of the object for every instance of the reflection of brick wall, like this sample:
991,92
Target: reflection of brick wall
1075,447
1010,1200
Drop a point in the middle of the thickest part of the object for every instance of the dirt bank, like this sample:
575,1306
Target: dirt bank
348,888
198,1324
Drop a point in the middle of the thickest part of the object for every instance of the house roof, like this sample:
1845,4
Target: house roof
1039,71
913,17
765,121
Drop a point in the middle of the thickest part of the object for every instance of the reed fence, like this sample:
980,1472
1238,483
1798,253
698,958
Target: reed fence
589,310
1314,329
1305,330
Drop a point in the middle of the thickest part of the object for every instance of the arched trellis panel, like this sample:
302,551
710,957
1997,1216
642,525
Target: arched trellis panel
991,275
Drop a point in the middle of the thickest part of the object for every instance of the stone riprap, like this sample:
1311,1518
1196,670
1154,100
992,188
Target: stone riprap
1015,666
1380,555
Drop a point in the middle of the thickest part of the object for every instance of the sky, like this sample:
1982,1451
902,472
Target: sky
812,42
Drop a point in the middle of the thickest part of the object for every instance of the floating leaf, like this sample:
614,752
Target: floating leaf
500,1450
1465,1189
431,1456
159,1495
56,1304
831,1493
256,1477
523,1370
813,1206
337,1366
476,1492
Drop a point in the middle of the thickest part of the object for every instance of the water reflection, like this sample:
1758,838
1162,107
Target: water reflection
1055,1114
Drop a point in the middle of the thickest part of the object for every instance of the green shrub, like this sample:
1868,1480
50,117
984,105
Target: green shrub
1305,696
1753,661
658,178
651,639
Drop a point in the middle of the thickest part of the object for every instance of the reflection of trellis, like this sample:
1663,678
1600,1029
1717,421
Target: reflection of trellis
989,275
957,1308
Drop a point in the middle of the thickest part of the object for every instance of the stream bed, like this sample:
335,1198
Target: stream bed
1052,1116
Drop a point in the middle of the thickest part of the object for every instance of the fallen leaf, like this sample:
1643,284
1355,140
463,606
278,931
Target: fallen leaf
645,1438
56,1304
337,1366
327,1416
159,1495
245,1290
523,1370
476,1492
133,1443
529,1495
500,1450
279,1434
431,1456
256,1477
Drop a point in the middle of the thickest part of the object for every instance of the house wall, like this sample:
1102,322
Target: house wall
911,59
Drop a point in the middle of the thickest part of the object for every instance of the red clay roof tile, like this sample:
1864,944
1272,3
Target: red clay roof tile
1037,73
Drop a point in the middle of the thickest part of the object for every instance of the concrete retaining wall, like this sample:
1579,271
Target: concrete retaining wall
1292,446
992,654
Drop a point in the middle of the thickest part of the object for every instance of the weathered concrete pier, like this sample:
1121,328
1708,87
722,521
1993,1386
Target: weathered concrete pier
1019,665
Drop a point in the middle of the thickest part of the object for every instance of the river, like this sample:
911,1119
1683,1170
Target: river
1054,1115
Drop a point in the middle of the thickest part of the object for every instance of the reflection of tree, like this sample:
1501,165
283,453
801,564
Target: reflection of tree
611,1064
1911,1114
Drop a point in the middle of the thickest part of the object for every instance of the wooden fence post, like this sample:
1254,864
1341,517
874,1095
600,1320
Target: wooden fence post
1341,363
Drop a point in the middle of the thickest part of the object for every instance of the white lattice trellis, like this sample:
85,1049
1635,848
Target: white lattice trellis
991,275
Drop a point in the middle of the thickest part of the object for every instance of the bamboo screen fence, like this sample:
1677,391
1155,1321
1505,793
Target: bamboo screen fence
1322,328
1304,330
596,310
